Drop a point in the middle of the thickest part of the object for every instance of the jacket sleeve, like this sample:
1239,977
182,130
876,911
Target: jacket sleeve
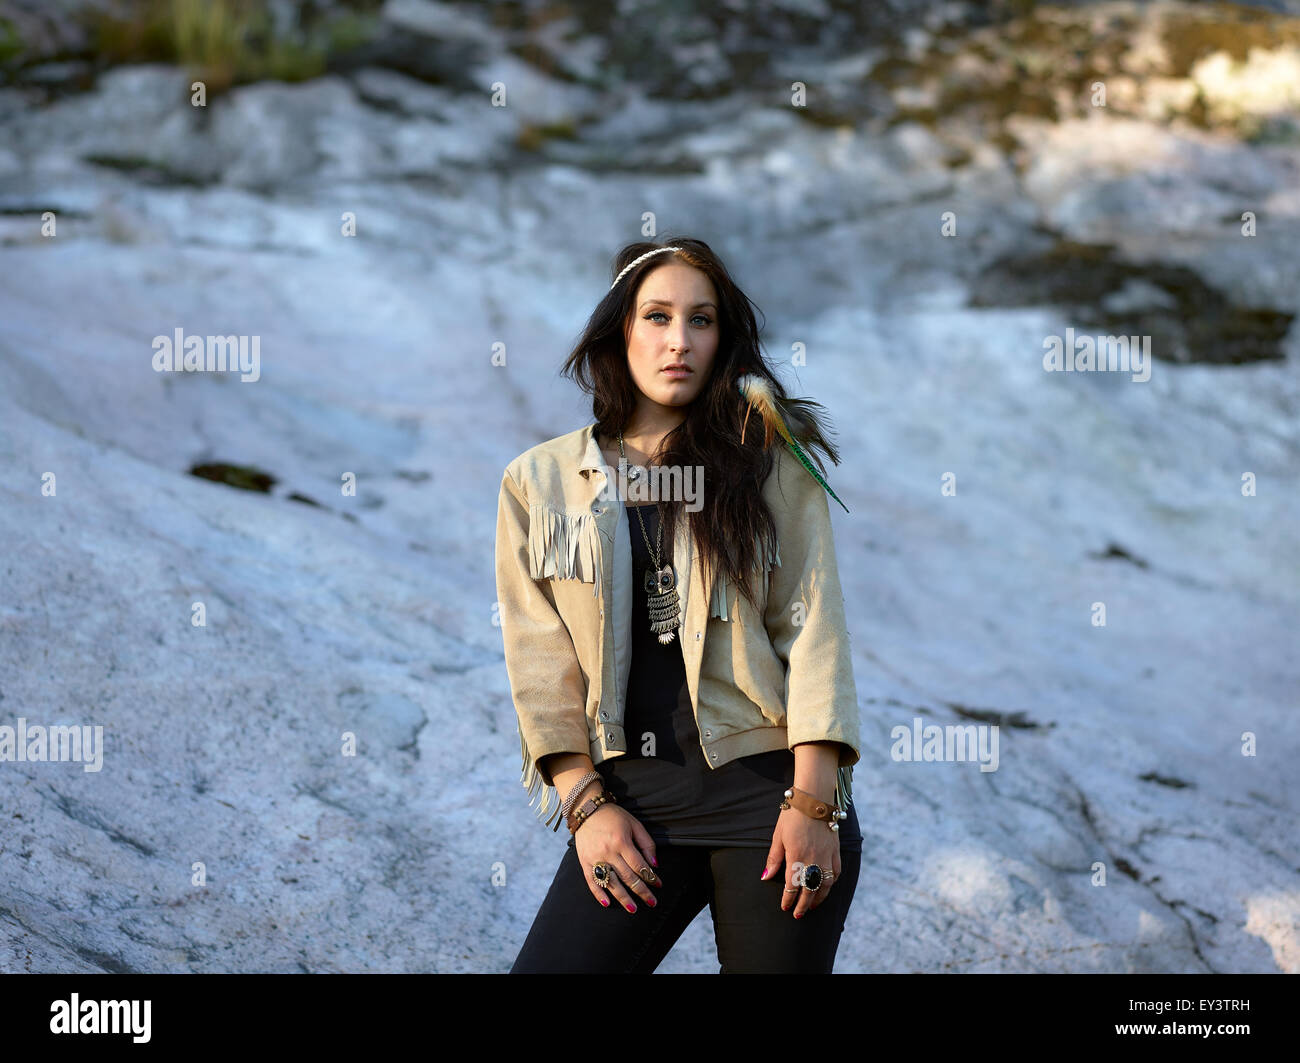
805,620
546,680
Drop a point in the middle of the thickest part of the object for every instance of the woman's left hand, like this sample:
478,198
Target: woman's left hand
800,839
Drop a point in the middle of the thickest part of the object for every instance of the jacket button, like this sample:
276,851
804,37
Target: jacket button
714,756
609,736
708,734
604,715
697,636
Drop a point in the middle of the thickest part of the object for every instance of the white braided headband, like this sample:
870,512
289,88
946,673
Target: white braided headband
638,261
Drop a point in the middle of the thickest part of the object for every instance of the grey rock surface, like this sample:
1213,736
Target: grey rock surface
367,618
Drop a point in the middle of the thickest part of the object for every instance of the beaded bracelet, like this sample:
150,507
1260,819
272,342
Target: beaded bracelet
577,818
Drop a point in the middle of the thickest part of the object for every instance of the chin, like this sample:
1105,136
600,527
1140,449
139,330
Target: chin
678,397
675,394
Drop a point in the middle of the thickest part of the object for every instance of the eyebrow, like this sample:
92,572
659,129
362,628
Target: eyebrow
665,302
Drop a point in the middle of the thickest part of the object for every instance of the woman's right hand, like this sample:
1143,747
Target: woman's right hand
615,836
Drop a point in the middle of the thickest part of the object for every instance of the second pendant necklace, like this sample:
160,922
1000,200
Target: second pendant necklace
660,580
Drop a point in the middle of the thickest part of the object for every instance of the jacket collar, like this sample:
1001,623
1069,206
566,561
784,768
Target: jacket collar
592,458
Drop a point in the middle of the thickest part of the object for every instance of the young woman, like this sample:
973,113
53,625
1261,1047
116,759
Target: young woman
674,636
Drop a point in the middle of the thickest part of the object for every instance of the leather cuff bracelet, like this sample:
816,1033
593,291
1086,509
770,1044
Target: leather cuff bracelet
812,807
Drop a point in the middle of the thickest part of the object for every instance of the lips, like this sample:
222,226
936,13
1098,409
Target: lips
676,370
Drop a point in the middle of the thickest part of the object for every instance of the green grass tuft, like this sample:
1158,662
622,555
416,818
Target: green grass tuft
226,42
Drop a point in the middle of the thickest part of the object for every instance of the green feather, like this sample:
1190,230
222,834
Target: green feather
803,460
756,391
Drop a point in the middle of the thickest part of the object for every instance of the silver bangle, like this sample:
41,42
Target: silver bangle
566,806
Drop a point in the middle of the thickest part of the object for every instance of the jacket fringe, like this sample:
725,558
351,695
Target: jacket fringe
531,779
563,546
718,604
844,787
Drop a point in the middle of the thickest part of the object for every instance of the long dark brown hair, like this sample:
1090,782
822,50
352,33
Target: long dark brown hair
735,523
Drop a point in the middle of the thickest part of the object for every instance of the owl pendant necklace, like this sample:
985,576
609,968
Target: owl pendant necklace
660,579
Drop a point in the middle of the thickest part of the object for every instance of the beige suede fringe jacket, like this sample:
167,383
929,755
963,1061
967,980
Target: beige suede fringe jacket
758,680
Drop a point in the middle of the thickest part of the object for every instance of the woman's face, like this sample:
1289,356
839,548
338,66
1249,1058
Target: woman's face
674,321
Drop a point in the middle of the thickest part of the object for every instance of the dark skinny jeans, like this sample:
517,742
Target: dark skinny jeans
573,934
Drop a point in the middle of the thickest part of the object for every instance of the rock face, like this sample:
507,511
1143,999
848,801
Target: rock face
309,757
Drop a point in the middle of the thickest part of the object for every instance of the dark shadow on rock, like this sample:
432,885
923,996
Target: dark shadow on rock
245,477
1166,780
1188,321
1016,719
1114,551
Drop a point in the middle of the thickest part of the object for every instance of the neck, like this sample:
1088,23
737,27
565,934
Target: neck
647,428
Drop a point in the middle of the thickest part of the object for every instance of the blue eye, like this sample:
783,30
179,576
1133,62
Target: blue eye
700,317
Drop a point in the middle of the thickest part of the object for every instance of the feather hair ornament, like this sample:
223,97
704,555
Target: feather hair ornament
757,392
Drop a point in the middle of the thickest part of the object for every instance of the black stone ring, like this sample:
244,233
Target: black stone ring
600,872
810,877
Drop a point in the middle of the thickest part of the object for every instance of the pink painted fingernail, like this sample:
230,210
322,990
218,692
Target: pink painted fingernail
654,862
631,907
605,902
766,872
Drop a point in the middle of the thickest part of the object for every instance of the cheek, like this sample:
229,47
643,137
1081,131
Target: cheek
712,342
642,346
637,353
643,368
706,367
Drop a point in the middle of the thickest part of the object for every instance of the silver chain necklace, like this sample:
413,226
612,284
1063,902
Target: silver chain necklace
660,579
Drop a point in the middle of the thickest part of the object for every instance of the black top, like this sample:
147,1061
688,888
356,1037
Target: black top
673,792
